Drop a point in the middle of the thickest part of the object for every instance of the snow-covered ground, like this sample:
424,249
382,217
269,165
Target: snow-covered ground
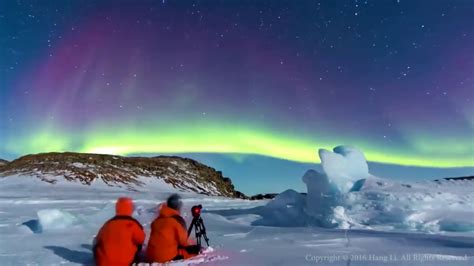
348,218
41,224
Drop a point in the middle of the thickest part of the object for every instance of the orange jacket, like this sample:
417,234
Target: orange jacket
120,239
168,236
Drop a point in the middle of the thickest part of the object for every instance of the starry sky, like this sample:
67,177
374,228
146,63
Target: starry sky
241,79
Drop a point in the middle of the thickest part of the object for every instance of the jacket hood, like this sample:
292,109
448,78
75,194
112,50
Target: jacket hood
166,211
124,206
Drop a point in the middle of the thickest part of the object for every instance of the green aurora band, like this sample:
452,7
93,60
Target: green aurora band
226,138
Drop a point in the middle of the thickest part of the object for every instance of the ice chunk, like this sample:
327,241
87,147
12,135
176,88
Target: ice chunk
322,197
345,195
344,166
317,183
344,170
457,225
285,199
341,218
55,219
286,209
51,219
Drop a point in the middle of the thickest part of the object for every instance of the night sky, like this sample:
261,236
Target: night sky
268,78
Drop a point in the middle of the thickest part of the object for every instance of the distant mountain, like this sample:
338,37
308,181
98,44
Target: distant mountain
130,172
460,178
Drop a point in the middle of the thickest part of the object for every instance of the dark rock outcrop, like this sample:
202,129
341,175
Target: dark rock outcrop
459,178
263,196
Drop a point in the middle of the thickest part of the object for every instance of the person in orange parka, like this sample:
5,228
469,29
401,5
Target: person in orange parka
169,238
120,239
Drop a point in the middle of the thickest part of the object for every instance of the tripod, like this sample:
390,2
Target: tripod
199,230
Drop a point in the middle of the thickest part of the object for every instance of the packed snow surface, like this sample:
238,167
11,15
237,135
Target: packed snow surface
348,217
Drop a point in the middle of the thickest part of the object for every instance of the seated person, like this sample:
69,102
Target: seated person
120,239
168,238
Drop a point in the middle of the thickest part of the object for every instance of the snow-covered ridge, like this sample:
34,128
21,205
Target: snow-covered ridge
131,173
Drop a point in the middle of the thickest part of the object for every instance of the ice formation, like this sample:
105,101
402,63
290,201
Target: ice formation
344,170
346,195
343,167
286,209
53,219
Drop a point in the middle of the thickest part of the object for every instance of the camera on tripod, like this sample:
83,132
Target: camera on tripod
198,224
196,210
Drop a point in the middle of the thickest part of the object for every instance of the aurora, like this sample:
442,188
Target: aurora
267,78
218,138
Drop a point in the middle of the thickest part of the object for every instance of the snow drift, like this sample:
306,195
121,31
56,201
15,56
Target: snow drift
346,195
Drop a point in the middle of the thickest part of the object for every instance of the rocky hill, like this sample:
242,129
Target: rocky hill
130,172
3,162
